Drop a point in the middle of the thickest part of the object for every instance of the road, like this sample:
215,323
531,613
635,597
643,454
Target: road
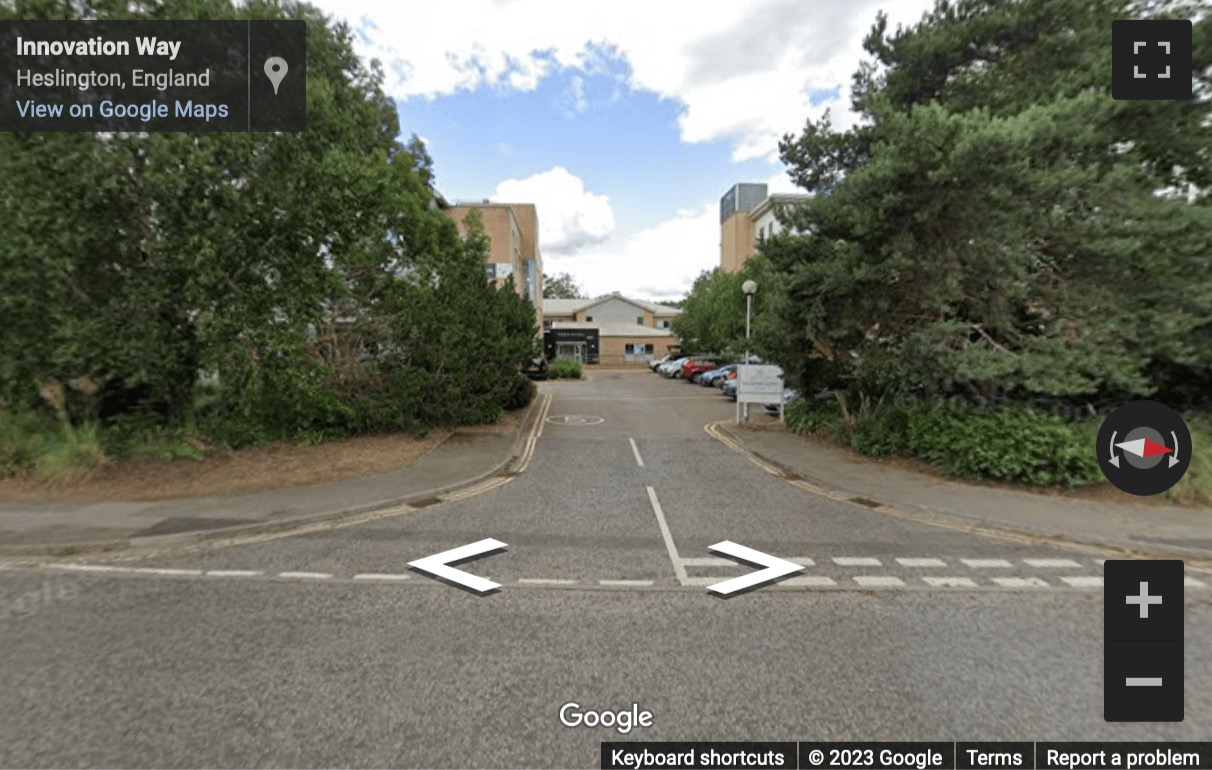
895,631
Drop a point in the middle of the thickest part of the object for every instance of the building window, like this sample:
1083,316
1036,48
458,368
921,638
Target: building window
588,318
639,320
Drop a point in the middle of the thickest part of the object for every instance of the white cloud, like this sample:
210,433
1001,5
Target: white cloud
660,262
743,72
570,216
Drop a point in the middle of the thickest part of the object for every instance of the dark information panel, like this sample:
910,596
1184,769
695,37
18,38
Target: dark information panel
153,76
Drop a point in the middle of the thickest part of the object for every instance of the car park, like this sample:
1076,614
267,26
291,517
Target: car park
710,378
672,369
655,364
696,365
729,387
789,395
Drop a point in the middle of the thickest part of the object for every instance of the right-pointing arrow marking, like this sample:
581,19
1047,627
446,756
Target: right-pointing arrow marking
775,568
438,565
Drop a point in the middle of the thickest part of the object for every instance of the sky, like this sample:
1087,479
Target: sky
623,121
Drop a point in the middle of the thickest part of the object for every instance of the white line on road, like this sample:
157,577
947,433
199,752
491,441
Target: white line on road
1083,581
308,575
1020,582
1052,563
949,582
708,561
878,580
90,567
233,572
986,562
678,570
856,561
546,581
809,580
908,562
381,576
625,582
636,451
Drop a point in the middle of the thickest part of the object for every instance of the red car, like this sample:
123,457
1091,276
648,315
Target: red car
696,365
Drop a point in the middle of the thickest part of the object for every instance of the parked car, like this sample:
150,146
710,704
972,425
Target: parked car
707,379
672,368
696,365
729,387
789,395
657,363
536,368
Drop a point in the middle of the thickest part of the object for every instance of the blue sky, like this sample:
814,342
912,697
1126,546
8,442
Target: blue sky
624,122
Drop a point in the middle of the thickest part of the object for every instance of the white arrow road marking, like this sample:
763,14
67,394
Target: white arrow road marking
438,565
775,568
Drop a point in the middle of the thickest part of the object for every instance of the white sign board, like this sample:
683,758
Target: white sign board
758,384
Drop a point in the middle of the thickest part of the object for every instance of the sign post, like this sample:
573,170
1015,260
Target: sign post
758,383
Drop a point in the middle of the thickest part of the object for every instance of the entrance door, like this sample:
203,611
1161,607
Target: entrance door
571,350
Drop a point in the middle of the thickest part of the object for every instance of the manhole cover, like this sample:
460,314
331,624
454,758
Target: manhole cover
575,419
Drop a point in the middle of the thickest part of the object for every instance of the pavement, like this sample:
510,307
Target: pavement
66,527
61,527
319,647
1126,525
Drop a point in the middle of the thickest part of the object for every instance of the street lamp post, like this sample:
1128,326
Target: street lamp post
749,288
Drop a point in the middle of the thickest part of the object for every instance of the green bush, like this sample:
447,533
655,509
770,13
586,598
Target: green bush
565,368
1007,444
522,394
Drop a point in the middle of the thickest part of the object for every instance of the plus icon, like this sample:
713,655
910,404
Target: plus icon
1144,600
1151,59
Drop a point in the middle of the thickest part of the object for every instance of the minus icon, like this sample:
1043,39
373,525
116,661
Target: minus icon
1143,681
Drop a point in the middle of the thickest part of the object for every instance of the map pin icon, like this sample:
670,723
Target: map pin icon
275,70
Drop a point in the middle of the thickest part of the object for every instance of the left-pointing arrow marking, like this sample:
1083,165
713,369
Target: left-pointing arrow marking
438,565
775,568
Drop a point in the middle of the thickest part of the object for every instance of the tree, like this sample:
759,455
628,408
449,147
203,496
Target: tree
562,286
308,271
994,222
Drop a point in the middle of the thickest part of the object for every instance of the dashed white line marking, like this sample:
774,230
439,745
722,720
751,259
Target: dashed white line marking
1194,583
546,581
381,576
1084,581
306,575
980,563
90,567
1020,582
809,580
949,582
878,580
625,582
708,561
635,450
233,572
164,571
909,562
1052,563
803,561
856,561
678,569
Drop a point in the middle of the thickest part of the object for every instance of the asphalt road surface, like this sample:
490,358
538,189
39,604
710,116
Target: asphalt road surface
894,631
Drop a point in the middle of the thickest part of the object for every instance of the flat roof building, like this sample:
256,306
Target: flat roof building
748,214
513,235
